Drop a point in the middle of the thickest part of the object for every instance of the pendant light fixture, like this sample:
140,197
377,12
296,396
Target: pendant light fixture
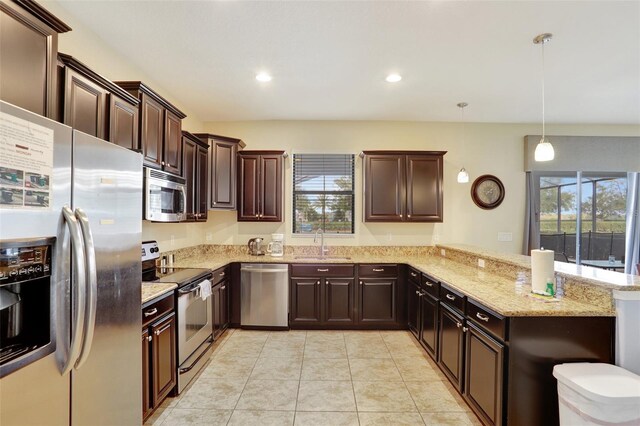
463,175
544,149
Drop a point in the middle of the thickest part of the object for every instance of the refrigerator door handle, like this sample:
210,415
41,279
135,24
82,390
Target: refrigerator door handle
91,285
79,279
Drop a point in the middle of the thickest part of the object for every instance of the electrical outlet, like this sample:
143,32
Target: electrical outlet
505,236
209,236
443,253
481,263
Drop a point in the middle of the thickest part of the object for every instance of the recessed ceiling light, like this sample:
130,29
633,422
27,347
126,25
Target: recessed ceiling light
263,76
393,78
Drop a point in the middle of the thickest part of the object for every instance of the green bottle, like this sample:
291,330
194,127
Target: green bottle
550,291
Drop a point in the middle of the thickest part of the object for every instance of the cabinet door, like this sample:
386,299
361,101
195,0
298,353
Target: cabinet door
223,174
339,301
224,305
189,173
215,312
429,324
202,162
451,346
271,188
172,143
413,308
84,104
248,184
151,128
164,357
146,383
305,301
484,362
384,188
377,300
28,49
123,123
424,188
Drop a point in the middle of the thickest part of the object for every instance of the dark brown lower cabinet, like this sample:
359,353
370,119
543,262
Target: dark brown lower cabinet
429,314
163,355
484,378
338,301
377,301
220,300
413,308
451,345
159,358
305,301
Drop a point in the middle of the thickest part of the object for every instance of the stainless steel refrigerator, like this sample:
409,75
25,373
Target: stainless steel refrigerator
89,372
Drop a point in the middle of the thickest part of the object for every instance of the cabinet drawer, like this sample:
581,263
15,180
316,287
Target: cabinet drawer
431,286
220,274
490,321
157,309
414,275
452,298
375,271
321,270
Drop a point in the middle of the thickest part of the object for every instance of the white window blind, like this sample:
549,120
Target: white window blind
323,195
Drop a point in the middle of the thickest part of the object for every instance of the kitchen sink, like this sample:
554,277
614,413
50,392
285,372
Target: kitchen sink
322,258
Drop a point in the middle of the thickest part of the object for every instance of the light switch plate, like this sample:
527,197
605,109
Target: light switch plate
505,236
443,253
481,263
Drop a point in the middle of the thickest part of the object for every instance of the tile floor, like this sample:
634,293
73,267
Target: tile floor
317,378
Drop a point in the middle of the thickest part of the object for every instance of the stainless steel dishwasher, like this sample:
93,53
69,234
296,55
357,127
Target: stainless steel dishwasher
264,295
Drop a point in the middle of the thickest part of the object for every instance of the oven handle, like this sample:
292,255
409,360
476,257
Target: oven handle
77,250
193,364
193,289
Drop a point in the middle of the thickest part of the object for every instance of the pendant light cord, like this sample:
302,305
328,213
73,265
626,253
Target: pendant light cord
543,127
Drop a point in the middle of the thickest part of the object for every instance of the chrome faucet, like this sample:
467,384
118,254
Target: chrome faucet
323,249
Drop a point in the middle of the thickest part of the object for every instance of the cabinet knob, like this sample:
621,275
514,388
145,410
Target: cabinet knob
318,282
458,325
465,329
360,282
408,215
418,293
149,338
257,215
261,215
223,287
162,163
214,202
450,297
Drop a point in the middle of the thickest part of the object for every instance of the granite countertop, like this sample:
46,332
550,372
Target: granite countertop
152,290
494,291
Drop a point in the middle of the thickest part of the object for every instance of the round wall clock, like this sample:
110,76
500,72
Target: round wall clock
487,192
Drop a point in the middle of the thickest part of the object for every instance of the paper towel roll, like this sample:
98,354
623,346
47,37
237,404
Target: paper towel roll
541,270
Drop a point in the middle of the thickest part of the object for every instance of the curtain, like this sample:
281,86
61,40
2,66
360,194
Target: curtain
531,238
632,241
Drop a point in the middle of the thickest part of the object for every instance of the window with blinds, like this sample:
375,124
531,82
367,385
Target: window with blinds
323,196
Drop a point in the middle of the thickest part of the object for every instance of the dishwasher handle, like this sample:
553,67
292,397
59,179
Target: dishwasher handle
263,270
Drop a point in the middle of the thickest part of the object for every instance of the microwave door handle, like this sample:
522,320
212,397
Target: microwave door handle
79,285
91,285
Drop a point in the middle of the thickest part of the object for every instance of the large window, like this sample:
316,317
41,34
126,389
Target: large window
591,206
323,195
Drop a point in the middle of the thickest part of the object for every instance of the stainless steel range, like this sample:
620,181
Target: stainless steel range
194,310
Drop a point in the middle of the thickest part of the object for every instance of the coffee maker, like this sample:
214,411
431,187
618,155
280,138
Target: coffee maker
276,246
255,246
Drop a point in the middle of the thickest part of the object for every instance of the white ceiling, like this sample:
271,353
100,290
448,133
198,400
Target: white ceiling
329,58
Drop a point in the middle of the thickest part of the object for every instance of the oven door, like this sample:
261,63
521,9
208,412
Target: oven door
195,323
164,201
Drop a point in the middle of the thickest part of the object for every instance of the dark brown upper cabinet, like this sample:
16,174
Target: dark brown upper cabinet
403,186
223,163
260,186
94,105
194,170
160,123
29,49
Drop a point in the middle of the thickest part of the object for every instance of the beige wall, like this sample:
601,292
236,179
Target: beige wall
84,45
489,148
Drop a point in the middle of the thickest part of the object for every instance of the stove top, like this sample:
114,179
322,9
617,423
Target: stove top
174,275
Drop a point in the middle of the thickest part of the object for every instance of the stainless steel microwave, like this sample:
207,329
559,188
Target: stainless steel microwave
164,196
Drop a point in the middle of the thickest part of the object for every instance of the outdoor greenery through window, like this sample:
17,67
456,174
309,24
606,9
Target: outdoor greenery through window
323,195
602,208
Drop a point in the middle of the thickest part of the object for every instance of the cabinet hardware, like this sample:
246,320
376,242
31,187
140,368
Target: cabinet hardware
458,325
322,270
149,338
428,284
418,293
157,332
223,287
360,282
261,215
378,270
481,317
214,202
222,274
450,297
413,274
465,329
151,312
408,216
163,163
317,282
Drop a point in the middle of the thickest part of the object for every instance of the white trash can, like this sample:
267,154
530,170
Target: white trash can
597,394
